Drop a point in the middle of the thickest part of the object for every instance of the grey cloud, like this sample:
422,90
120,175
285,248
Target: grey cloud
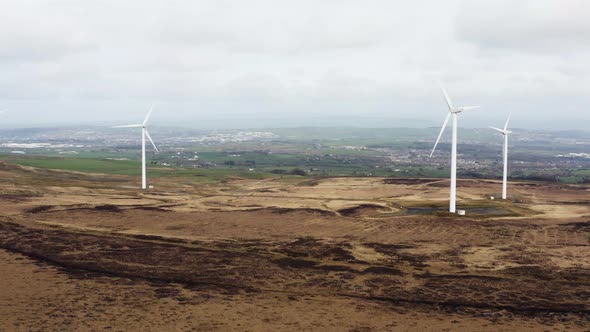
288,57
545,26
287,28
32,34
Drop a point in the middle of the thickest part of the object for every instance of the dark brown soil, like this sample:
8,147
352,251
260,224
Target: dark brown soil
264,266
360,210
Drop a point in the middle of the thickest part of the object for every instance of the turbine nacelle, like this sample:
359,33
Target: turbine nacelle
452,111
504,131
143,126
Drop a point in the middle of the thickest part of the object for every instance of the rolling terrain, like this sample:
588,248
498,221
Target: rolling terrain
88,251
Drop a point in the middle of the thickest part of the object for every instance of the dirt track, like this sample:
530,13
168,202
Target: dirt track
343,247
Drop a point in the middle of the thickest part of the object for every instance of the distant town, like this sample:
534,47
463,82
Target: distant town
535,155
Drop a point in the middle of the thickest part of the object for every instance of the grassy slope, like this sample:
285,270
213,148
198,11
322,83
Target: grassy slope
128,167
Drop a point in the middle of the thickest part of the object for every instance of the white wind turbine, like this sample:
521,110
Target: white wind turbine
453,111
144,134
504,132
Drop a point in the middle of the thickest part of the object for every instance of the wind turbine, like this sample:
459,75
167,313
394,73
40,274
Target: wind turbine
144,134
504,132
453,112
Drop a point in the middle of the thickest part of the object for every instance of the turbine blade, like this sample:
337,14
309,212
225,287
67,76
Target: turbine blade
147,134
498,130
447,99
507,120
469,108
441,132
129,126
147,117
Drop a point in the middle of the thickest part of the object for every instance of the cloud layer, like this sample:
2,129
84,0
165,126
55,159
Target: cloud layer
109,59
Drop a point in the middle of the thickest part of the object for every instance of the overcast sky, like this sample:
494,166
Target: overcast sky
297,62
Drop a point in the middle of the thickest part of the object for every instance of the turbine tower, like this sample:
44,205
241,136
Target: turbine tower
144,134
453,112
504,132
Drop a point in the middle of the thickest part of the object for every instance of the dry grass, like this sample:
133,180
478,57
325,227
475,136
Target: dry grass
343,251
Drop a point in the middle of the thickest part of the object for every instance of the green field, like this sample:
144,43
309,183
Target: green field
325,152
265,165
131,167
90,165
